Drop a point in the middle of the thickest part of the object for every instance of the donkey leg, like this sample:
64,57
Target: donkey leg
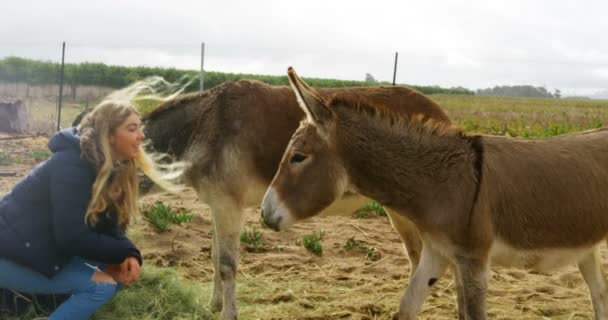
459,295
410,236
591,269
217,297
227,222
432,266
472,277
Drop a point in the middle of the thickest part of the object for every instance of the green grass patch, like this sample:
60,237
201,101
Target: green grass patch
370,252
252,239
314,242
370,210
40,155
159,294
161,215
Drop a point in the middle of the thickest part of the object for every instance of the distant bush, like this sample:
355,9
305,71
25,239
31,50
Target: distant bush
519,91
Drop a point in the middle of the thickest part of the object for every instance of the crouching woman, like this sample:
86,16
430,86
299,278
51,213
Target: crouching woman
62,228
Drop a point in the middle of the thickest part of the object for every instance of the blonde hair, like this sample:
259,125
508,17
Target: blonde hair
116,185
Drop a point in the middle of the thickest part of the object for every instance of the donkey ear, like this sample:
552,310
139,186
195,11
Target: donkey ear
313,105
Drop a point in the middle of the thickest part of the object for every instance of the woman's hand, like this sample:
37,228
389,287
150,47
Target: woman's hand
114,271
126,272
133,270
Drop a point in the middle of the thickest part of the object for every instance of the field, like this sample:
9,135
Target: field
362,271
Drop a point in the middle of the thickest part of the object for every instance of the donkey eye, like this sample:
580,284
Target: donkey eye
297,158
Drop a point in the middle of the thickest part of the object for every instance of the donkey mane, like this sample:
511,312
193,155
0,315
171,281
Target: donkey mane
181,100
419,123
239,87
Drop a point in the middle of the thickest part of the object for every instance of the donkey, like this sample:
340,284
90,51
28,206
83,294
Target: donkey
535,204
235,135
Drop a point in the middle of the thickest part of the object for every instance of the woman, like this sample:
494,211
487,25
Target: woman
62,226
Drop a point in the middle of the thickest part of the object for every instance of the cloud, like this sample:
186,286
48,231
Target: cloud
472,43
602,73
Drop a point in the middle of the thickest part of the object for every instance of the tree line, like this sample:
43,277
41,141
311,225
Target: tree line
36,72
519,91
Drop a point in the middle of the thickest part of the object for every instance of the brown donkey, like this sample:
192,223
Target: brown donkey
235,135
536,204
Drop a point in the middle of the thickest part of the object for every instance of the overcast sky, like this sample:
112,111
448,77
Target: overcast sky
473,43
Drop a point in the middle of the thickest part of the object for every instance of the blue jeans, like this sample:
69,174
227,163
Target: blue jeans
76,278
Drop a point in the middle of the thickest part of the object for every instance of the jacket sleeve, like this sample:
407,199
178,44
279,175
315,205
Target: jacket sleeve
71,183
119,234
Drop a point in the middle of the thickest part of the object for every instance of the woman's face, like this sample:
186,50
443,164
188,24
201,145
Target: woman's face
127,138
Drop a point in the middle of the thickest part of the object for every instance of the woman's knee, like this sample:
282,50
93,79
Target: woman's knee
103,287
102,291
100,276
86,300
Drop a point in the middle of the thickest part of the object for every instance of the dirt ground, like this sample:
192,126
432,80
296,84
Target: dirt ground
285,281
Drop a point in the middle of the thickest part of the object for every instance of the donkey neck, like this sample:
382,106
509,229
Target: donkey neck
404,166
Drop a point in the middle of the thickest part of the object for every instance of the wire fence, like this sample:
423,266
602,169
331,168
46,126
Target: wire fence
54,93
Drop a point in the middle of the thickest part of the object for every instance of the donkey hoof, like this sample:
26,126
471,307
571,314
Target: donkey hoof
229,316
396,316
215,305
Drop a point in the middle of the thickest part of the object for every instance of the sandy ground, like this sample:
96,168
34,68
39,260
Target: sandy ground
284,281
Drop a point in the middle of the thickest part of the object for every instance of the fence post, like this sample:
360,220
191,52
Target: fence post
202,66
395,68
60,87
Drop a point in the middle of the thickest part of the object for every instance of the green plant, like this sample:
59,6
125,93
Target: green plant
370,252
161,215
314,242
182,215
5,159
372,208
253,239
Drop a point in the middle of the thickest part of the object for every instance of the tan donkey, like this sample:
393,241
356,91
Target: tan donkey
235,135
476,200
